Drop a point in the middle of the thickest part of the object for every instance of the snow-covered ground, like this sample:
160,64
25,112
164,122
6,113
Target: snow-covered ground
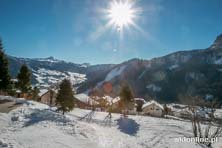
36,125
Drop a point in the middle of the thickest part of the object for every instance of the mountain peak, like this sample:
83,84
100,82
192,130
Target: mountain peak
50,58
217,43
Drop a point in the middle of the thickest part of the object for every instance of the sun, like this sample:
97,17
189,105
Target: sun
121,13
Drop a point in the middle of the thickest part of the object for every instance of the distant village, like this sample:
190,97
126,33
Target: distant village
107,103
140,106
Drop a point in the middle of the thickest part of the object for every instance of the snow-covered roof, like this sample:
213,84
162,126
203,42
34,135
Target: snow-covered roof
85,99
176,107
185,111
152,102
139,99
18,91
42,91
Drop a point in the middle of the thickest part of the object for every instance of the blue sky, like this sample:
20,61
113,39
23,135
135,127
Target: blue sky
73,30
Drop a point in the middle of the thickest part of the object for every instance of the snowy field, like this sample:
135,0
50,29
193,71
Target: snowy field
35,125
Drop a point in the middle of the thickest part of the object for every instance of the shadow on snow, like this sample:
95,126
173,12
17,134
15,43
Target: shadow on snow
44,115
128,126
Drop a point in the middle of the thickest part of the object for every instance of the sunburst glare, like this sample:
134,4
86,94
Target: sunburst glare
122,13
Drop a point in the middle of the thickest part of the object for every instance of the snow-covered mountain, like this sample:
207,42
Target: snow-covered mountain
49,71
45,77
166,78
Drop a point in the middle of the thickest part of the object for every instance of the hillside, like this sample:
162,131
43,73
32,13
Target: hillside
49,71
197,72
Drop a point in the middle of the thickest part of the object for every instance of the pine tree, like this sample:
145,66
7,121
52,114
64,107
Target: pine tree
126,97
126,94
24,79
65,97
4,71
